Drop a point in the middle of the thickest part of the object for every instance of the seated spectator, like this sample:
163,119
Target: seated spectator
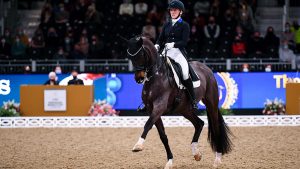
212,30
78,14
8,36
96,48
271,43
5,49
37,45
18,49
23,37
255,45
246,17
215,8
68,44
126,8
84,45
52,39
62,16
60,54
141,7
92,16
238,48
286,54
288,35
52,79
75,80
239,31
228,25
149,31
76,53
201,8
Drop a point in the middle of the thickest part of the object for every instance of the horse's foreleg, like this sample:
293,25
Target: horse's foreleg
198,124
139,146
163,137
155,115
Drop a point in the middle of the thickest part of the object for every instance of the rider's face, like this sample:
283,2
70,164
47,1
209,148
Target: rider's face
174,13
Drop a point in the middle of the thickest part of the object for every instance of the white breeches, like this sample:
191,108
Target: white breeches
177,56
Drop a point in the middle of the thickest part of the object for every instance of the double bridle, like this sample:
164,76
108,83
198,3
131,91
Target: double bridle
147,67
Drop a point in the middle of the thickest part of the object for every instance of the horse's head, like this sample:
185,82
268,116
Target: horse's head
141,60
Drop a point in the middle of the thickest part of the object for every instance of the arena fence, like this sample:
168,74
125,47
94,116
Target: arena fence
139,121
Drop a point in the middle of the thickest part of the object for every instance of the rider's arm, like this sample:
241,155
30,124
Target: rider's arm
185,36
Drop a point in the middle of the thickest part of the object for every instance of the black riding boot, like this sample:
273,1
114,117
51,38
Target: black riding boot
190,88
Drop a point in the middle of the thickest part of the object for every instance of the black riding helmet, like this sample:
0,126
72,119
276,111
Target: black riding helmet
176,4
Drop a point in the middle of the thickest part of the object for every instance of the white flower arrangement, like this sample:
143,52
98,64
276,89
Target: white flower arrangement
10,108
274,107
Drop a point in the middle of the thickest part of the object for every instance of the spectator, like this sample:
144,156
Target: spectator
84,45
215,9
62,16
271,43
296,30
92,16
212,30
149,31
239,31
201,8
8,37
52,79
96,48
126,8
37,45
68,44
75,80
5,49
52,40
77,53
238,48
47,18
255,45
18,49
228,25
23,37
288,35
141,7
286,54
246,19
78,14
60,54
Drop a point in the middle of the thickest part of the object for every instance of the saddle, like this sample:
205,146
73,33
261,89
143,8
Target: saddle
176,70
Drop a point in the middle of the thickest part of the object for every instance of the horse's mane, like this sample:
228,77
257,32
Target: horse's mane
149,44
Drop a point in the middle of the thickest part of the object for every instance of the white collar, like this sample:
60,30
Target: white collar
175,20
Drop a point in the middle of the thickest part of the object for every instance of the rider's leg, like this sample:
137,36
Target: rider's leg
187,81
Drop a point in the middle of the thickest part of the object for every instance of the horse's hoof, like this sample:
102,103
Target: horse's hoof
137,148
217,162
198,156
169,165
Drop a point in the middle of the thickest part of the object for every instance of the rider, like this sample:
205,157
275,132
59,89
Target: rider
173,39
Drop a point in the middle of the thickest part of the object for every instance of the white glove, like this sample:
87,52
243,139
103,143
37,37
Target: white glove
156,47
169,46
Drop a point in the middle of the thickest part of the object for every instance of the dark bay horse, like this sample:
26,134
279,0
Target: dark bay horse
160,96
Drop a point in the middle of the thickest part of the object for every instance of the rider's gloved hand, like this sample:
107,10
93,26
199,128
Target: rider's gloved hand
156,47
169,46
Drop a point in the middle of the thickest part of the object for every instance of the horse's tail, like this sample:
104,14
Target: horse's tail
218,133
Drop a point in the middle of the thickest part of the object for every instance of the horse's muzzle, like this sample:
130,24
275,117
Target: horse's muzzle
139,76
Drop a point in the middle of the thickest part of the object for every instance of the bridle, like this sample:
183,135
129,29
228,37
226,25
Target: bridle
147,65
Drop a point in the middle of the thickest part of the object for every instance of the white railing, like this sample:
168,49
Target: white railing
139,121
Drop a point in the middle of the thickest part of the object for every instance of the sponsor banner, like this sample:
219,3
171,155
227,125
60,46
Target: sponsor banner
236,90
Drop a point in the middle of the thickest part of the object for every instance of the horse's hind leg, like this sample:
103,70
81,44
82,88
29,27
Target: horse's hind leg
198,124
163,137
